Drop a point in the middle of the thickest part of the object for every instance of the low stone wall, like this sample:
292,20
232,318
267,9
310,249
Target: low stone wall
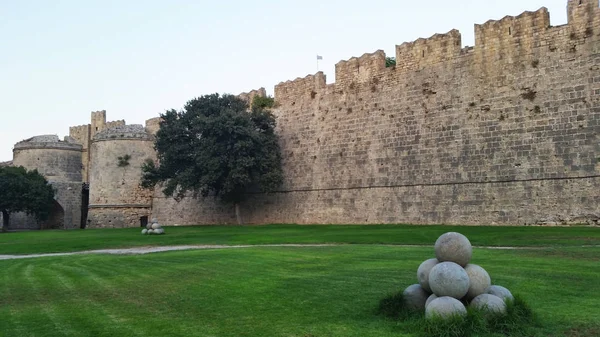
117,216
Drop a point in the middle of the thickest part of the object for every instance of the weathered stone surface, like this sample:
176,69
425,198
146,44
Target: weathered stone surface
470,134
116,196
423,273
500,292
156,226
445,307
415,297
453,247
430,299
159,231
479,281
489,303
60,162
449,279
144,231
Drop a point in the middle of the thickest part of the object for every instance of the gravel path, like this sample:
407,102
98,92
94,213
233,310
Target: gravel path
147,250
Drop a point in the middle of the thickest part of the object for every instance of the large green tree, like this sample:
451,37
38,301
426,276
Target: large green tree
216,146
24,191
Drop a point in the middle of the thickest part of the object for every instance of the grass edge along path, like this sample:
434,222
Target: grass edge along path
59,241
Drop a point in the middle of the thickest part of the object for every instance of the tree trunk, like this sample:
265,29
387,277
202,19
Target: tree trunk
238,214
5,218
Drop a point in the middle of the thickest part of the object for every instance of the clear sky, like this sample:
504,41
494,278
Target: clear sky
62,59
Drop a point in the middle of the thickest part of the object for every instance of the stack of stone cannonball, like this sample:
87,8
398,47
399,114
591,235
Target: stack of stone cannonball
153,228
449,283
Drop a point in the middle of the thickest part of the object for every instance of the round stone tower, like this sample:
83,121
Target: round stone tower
60,162
116,158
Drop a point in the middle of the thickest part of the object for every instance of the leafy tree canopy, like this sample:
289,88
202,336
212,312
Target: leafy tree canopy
215,146
390,62
24,191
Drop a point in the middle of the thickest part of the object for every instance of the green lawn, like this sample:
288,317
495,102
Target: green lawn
76,240
276,291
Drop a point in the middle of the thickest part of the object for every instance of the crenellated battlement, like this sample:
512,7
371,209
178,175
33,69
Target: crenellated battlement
153,125
299,87
249,96
515,40
359,69
582,13
114,124
512,34
515,26
422,53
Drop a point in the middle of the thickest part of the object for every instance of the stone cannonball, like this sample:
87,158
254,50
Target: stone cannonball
453,247
156,226
144,231
415,297
479,281
430,299
149,226
445,307
159,231
154,220
150,231
501,292
423,273
489,303
449,279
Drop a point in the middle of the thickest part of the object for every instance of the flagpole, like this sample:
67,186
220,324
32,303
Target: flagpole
319,57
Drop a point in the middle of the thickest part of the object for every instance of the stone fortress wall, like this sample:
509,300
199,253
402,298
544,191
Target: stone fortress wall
117,156
84,134
60,162
505,132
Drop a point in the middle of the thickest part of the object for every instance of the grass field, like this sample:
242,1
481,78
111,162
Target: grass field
89,239
277,291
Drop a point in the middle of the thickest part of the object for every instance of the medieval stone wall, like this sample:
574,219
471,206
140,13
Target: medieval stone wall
116,197
505,132
60,163
84,134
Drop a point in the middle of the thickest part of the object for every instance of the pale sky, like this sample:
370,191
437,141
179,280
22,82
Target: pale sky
62,59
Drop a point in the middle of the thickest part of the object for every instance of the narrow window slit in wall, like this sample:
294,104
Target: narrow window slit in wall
509,31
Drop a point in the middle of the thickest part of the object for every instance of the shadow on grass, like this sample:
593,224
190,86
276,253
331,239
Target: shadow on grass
519,320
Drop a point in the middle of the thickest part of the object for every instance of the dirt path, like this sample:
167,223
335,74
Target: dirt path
147,250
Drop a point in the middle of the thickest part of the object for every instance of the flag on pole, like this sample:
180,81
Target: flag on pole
319,57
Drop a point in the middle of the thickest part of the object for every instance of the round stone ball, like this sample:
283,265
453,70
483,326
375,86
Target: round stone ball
449,279
156,226
150,231
453,247
423,273
144,231
430,299
501,292
159,231
154,220
149,226
489,303
479,281
445,307
415,297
